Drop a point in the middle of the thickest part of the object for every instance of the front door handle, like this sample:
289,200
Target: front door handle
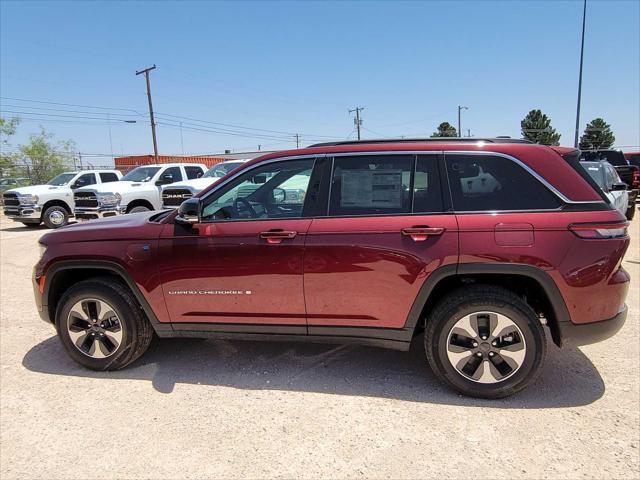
420,234
274,237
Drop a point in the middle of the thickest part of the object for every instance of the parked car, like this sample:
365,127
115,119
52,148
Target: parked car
176,193
52,203
609,181
138,191
10,182
630,174
387,243
633,158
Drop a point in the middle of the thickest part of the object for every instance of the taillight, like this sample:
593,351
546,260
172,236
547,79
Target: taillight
600,230
635,181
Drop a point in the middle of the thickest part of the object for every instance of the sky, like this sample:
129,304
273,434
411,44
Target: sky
245,74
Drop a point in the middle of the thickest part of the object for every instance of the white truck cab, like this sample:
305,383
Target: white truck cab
176,193
52,203
138,191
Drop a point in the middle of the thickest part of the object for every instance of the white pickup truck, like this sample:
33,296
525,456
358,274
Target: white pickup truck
176,193
52,203
138,191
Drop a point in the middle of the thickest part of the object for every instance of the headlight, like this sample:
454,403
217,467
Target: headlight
27,199
109,198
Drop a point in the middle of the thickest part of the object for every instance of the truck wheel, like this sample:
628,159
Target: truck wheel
484,341
55,217
101,325
139,209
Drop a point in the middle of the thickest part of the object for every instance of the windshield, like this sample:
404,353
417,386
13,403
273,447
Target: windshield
141,174
221,169
61,179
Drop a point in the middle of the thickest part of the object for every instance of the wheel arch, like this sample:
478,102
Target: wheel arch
64,274
139,202
59,203
531,282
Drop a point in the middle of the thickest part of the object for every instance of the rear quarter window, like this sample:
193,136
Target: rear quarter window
495,183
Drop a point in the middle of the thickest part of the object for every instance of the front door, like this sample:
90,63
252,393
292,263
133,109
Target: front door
242,264
385,232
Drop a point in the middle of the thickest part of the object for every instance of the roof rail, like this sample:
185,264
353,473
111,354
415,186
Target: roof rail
421,140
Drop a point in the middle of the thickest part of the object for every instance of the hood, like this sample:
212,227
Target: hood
116,187
197,184
37,189
120,227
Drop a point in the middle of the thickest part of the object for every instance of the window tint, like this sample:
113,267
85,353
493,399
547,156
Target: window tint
370,185
193,172
482,182
174,172
427,196
108,177
86,179
276,190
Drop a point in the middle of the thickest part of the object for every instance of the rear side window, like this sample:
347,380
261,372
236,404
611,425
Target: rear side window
108,177
489,183
193,172
371,185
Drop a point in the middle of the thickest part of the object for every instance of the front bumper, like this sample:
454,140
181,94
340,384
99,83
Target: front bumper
575,335
23,213
92,213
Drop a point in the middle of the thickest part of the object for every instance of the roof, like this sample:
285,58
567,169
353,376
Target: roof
430,139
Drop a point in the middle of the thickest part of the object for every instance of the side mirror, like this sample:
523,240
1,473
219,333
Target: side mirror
77,184
618,187
165,179
259,178
189,212
279,195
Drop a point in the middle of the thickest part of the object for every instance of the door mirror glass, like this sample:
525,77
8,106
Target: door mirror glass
189,211
278,195
618,186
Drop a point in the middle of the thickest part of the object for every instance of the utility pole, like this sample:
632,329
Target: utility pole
297,140
80,160
153,123
584,16
181,140
468,133
357,121
460,108
110,140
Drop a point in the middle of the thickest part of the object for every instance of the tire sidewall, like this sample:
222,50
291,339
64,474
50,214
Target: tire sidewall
49,211
534,339
122,310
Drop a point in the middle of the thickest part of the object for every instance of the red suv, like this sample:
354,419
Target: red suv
486,247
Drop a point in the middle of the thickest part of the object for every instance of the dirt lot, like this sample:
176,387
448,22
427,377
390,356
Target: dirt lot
192,409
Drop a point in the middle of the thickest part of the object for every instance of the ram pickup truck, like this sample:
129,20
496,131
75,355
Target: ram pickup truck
629,174
52,203
138,191
177,192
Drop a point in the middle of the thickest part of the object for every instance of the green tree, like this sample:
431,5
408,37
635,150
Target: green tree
536,126
42,159
8,160
445,129
597,134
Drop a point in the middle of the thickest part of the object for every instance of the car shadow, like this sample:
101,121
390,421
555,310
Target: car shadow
568,378
22,228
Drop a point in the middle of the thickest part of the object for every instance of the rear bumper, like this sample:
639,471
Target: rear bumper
85,213
575,335
23,213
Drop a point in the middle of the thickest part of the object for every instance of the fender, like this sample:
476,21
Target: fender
108,266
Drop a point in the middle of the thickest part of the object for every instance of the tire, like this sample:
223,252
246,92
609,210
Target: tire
31,224
123,340
55,217
139,209
631,212
524,346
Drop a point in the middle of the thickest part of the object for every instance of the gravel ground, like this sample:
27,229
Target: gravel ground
231,409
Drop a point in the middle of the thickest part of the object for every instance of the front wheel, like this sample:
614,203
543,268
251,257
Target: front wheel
101,325
485,341
55,217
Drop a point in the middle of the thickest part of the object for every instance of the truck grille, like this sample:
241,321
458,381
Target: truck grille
173,197
85,199
10,199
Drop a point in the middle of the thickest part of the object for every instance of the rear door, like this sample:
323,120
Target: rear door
383,231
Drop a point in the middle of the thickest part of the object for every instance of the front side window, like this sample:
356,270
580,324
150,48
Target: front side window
141,174
86,179
371,185
276,190
490,183
176,174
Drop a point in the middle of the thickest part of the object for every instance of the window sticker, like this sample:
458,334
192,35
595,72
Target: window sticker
371,188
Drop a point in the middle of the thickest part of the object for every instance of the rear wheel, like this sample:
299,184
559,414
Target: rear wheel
101,325
55,217
485,341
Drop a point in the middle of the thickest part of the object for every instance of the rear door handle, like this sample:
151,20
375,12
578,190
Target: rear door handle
276,236
420,234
